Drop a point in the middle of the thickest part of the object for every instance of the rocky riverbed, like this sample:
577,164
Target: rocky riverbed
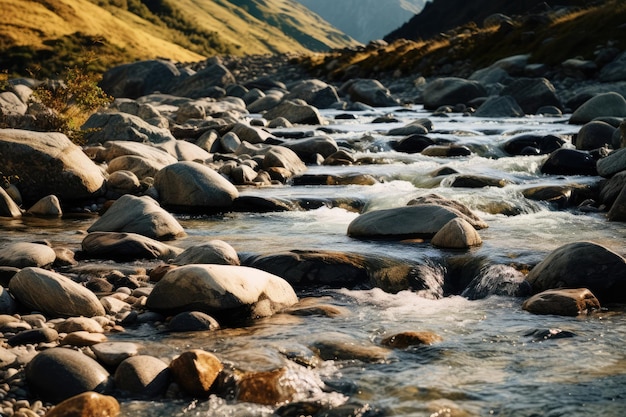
233,237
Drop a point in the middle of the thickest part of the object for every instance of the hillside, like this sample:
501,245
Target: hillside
45,36
549,38
365,20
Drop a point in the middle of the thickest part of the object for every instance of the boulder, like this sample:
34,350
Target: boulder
569,162
419,221
8,207
433,198
25,254
113,353
103,127
54,294
126,246
532,93
184,151
457,234
281,157
615,70
192,185
582,265
612,164
451,91
156,157
192,321
315,92
617,213
123,182
11,105
370,92
34,337
250,134
501,280
307,149
416,127
141,215
57,374
196,371
601,105
143,376
499,106
611,188
88,404
266,387
211,252
414,143
203,82
266,102
594,135
48,163
139,79
49,206
543,144
296,113
406,339
562,302
223,291
76,324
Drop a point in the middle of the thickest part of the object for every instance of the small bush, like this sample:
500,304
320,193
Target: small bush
72,101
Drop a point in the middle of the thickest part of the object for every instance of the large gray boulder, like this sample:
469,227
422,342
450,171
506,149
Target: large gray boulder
532,93
25,254
54,294
141,215
103,127
421,221
48,163
450,91
609,104
582,265
126,246
139,79
59,373
223,291
193,185
370,92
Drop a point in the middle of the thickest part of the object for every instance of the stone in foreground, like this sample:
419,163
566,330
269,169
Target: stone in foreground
88,404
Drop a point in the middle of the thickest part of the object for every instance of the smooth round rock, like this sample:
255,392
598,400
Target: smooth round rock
406,339
113,353
457,234
142,375
196,371
57,374
25,254
563,302
88,404
191,321
212,252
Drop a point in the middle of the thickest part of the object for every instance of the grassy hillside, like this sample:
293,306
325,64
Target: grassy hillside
43,37
558,37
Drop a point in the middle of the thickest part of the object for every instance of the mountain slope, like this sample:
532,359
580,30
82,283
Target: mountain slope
45,36
365,20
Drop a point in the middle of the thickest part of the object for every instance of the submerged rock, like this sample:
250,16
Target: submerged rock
563,302
406,339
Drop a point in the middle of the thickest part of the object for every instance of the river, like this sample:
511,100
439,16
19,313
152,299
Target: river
493,359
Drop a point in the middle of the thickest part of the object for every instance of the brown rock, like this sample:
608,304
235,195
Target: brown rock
457,234
87,404
196,371
406,339
268,388
563,302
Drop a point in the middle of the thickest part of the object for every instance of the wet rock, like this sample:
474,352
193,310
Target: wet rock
192,321
75,324
411,221
268,388
569,162
250,134
139,79
57,374
190,185
102,127
25,254
617,213
477,181
48,206
547,334
48,163
457,234
307,149
88,404
53,294
451,91
341,348
497,280
601,105
594,135
224,291
313,307
413,144
33,337
563,302
196,371
281,157
257,204
612,163
212,252
113,353
406,339
416,127
532,93
545,144
296,113
143,376
612,188
368,91
126,246
500,106
8,207
582,265
140,215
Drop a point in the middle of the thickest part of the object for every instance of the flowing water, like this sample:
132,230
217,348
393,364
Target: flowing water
494,358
